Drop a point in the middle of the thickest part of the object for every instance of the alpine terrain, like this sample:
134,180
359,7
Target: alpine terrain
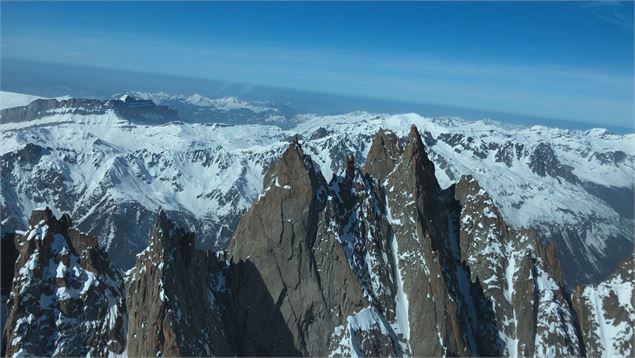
160,225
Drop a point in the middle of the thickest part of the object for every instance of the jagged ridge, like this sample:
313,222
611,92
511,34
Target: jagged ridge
379,261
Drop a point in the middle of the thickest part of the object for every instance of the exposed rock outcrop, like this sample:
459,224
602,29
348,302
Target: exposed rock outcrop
178,298
67,299
383,155
437,320
520,278
308,281
416,264
9,256
7,270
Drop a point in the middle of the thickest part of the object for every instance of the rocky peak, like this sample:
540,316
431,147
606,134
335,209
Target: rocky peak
383,155
45,217
519,277
415,155
287,263
168,239
187,289
63,277
349,185
293,169
379,262
426,264
294,184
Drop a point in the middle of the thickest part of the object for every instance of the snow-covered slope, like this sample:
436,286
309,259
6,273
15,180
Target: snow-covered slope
111,174
12,99
573,187
226,103
606,313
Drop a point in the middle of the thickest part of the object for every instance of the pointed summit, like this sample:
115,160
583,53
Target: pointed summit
293,171
294,287
415,154
383,155
416,148
291,188
296,140
169,240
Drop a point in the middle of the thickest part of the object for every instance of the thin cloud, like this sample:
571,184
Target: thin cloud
613,12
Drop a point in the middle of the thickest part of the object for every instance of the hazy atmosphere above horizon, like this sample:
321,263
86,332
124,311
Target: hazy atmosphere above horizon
564,61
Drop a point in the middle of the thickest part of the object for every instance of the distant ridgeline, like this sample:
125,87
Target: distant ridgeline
133,109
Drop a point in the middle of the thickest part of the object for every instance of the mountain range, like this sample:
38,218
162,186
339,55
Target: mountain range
295,234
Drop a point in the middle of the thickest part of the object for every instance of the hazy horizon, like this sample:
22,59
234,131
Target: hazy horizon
55,80
546,63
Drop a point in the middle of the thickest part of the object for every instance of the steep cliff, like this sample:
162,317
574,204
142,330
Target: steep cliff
177,298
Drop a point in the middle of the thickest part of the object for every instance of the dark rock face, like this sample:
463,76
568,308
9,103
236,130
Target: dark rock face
606,313
320,133
9,256
543,161
278,235
505,154
67,299
420,221
177,298
354,219
383,155
588,249
622,200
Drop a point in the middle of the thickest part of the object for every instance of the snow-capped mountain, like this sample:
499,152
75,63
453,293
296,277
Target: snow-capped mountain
573,187
67,299
129,108
226,110
378,261
221,104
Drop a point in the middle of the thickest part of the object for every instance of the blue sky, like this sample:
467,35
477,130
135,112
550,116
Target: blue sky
563,60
